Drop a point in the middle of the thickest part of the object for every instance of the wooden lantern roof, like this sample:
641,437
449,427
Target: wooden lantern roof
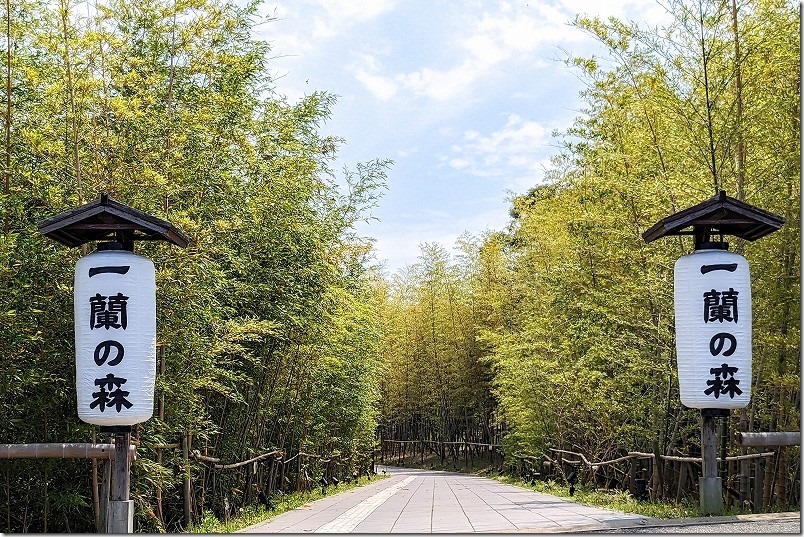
719,214
105,219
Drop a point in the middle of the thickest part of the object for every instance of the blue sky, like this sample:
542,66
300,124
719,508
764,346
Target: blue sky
462,95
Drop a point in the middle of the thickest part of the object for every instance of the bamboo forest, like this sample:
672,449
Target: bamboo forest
283,344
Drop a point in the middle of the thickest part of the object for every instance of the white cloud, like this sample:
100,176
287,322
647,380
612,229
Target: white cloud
307,30
381,87
518,152
502,33
485,42
337,16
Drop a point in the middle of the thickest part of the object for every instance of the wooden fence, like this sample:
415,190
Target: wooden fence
751,481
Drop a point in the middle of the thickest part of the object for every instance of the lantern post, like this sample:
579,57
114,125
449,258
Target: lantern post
712,296
115,327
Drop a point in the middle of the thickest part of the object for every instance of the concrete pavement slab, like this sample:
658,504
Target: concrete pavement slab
420,501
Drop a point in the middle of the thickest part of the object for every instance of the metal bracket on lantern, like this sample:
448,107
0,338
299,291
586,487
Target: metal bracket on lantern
115,429
715,412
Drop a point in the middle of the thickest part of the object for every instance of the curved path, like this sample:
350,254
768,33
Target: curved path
421,501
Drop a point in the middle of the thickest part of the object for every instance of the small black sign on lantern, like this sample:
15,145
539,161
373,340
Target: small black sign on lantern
115,326
712,295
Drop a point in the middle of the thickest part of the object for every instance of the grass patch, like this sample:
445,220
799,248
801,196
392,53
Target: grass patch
253,514
614,499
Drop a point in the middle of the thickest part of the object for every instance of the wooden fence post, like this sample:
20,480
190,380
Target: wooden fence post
682,480
767,481
759,485
658,469
632,471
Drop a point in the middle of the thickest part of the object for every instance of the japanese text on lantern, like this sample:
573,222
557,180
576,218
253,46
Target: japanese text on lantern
721,307
105,313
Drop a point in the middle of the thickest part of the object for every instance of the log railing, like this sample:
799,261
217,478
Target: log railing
60,451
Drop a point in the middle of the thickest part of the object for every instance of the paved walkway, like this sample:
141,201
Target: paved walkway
420,501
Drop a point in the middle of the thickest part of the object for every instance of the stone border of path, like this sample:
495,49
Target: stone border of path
669,522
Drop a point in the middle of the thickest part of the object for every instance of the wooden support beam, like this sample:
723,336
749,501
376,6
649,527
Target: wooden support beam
120,518
122,468
711,498
60,451
768,439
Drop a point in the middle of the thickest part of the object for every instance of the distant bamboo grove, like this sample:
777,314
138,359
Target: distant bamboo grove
278,333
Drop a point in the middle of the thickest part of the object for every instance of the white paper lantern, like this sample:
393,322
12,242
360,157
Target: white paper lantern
713,329
115,337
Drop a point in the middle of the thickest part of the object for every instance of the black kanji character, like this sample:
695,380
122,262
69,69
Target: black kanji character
720,306
731,267
116,398
108,315
718,341
103,350
724,385
106,270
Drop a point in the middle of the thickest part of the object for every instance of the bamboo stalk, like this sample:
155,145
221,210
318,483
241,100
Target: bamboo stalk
682,481
64,12
47,502
7,171
738,84
744,465
187,485
106,485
